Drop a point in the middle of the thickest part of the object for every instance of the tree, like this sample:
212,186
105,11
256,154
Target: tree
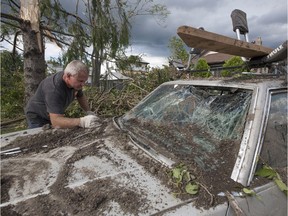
202,65
33,53
12,86
177,49
232,62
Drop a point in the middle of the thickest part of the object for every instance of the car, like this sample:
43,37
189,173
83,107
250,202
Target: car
190,147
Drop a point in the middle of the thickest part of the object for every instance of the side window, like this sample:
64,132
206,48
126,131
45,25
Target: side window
274,149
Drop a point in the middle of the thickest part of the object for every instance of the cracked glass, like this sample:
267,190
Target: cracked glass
194,122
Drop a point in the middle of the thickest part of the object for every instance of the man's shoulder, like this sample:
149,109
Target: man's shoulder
57,76
53,80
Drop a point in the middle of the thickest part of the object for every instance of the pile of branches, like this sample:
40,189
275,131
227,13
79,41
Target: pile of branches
117,100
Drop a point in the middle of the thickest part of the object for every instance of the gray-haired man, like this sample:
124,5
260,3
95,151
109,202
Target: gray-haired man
55,93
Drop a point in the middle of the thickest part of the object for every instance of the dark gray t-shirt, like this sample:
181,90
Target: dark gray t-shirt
52,96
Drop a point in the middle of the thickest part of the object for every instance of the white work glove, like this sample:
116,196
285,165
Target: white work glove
92,113
89,121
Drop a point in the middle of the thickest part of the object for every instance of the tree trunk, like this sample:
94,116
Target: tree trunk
96,70
34,61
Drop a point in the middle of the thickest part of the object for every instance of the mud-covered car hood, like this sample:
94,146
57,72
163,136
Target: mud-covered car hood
84,172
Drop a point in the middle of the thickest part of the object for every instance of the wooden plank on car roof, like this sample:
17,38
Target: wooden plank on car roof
210,41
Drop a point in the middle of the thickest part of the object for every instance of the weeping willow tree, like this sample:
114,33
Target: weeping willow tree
100,28
115,33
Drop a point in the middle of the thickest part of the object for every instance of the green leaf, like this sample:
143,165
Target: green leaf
282,186
248,191
270,173
176,172
266,172
186,176
191,188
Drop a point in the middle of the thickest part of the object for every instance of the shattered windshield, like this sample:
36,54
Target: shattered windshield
195,122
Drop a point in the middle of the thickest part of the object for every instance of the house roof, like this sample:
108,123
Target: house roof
54,68
114,76
215,57
177,64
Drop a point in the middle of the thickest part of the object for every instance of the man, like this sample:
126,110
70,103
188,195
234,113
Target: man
55,93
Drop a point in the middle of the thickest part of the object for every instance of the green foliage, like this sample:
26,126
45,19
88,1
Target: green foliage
156,77
281,185
266,172
13,127
181,177
74,110
125,63
55,61
191,188
108,104
177,49
248,192
202,65
117,102
234,61
270,173
159,9
251,193
12,85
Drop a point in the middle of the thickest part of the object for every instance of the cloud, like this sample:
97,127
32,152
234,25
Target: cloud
52,51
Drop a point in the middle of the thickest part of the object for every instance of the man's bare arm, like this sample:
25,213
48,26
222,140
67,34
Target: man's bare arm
59,121
83,102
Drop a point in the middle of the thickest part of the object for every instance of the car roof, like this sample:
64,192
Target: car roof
239,83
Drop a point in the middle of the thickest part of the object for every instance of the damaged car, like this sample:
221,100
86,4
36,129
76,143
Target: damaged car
191,147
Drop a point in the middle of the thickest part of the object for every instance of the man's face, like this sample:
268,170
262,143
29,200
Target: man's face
77,81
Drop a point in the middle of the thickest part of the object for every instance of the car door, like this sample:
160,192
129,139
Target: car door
269,199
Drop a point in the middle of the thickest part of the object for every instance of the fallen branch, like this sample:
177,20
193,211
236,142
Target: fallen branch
211,195
12,121
138,87
234,204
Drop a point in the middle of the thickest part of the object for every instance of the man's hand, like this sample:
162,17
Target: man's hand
89,121
92,113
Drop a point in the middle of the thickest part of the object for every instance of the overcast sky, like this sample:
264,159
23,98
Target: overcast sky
266,18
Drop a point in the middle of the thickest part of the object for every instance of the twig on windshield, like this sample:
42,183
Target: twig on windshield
234,204
211,195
